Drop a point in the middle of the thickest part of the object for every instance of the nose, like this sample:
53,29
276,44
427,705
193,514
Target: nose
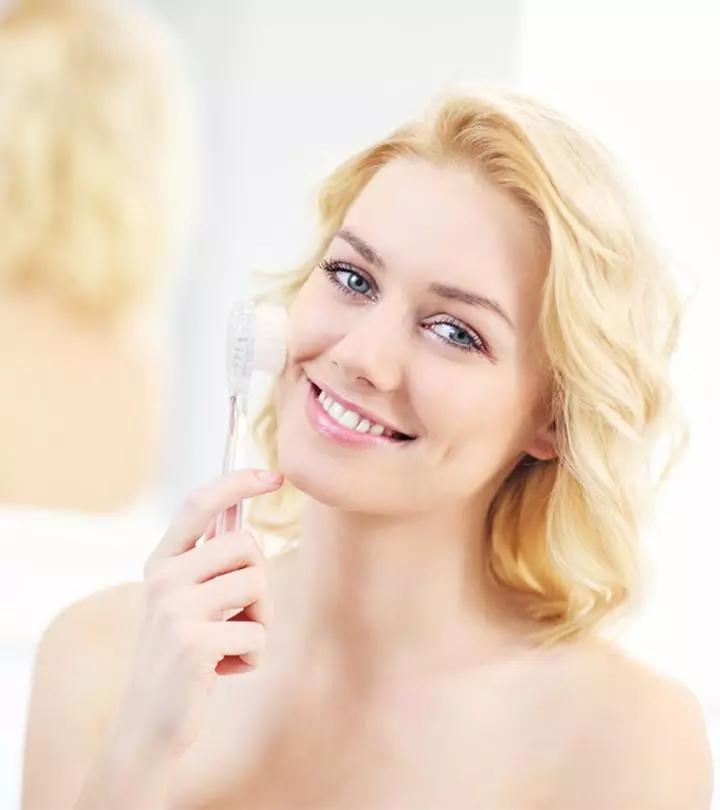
373,349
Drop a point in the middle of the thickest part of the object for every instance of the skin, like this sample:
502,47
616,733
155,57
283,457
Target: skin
393,672
98,376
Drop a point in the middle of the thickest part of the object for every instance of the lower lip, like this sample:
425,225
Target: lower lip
330,429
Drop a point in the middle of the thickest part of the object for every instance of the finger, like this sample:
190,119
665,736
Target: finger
231,591
260,611
229,552
251,659
242,639
203,505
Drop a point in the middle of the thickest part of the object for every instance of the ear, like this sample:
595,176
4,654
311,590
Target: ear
543,445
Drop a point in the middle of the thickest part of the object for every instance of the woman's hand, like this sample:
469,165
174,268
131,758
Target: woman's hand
185,640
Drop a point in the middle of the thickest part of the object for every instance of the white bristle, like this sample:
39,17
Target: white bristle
270,339
256,342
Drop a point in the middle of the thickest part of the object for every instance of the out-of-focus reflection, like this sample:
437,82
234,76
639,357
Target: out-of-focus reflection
97,176
94,171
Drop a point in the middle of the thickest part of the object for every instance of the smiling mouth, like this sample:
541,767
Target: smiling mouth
349,419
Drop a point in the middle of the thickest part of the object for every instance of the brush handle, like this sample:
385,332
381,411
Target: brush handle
231,519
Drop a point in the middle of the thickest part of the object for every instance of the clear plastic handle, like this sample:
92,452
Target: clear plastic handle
235,454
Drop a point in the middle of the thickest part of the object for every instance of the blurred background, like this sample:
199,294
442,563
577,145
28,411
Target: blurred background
182,144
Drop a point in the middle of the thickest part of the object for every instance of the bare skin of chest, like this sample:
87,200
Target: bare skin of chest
494,746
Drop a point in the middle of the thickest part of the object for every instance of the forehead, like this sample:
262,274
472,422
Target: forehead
446,224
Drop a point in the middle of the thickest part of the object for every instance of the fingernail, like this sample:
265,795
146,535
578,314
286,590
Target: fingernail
268,476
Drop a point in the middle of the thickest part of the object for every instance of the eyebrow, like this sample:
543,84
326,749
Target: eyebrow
362,247
456,294
446,291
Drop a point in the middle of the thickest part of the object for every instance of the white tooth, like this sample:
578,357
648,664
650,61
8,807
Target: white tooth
322,397
377,430
363,427
349,420
336,411
327,404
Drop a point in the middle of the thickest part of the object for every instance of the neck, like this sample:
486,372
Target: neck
393,594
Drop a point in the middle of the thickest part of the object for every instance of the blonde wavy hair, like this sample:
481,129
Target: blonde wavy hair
565,534
96,146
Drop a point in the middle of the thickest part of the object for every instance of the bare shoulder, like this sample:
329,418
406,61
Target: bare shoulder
85,650
643,744
81,666
99,628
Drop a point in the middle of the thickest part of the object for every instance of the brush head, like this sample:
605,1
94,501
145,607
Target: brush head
256,341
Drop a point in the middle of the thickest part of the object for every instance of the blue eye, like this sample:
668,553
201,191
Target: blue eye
454,333
354,281
348,279
457,335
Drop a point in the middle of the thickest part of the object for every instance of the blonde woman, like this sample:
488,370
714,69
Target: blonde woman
477,376
95,175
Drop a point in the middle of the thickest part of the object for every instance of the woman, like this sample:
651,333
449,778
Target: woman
477,374
95,150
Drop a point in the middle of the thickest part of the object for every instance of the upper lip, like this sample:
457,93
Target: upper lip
362,412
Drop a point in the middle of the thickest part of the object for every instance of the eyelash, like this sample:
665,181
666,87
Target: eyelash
333,268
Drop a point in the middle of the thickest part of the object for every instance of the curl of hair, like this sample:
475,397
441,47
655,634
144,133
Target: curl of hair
96,153
566,534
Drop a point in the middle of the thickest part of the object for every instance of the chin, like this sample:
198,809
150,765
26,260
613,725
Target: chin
340,483
361,490
323,479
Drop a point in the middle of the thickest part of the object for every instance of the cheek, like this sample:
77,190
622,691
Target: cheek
474,408
313,323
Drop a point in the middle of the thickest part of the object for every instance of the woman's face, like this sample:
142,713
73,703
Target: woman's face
421,319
